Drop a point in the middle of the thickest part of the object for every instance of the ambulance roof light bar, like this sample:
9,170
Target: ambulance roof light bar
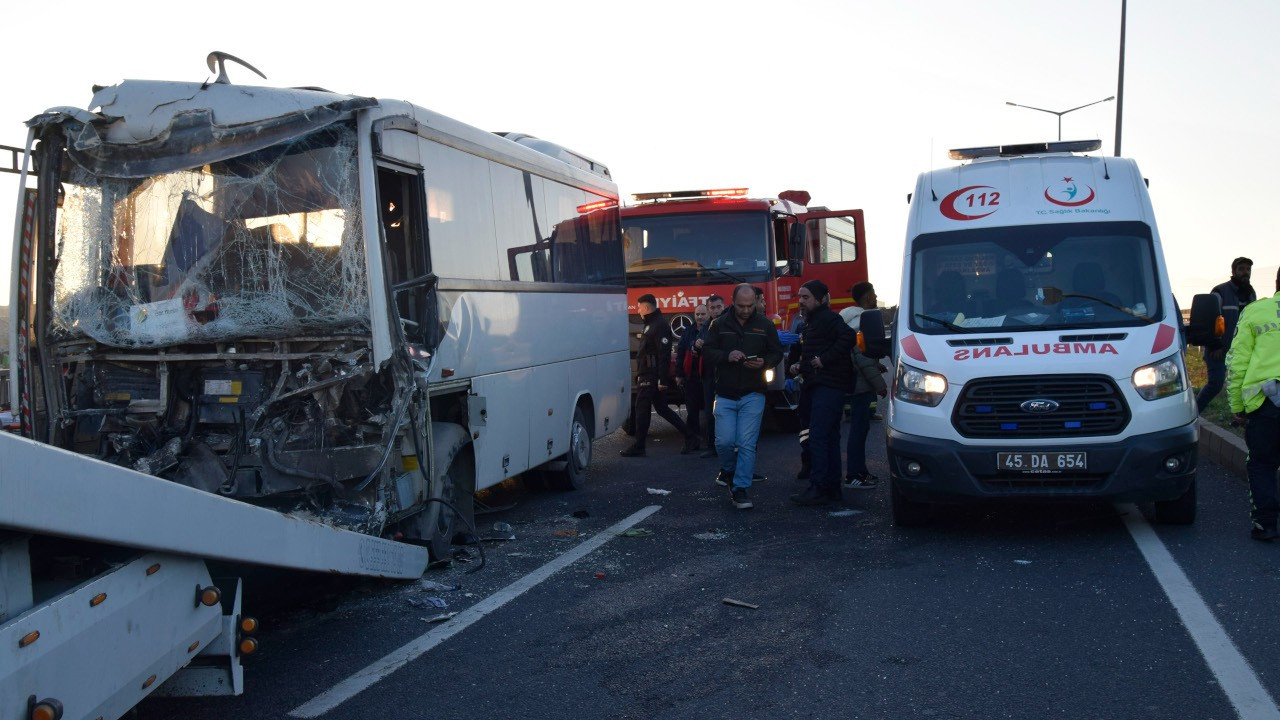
678,194
1059,146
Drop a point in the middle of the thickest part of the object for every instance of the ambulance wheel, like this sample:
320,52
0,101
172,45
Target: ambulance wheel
907,512
1180,510
573,476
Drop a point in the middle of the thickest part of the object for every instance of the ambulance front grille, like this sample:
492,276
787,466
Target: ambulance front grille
1087,405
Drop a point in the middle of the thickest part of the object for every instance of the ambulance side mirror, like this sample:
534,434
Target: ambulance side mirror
1206,324
795,248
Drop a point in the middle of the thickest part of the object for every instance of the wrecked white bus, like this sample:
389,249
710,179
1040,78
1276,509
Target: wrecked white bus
346,305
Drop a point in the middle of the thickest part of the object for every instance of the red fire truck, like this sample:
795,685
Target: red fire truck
684,246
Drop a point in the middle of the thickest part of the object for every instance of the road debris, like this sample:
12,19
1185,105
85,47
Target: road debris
717,535
1023,562
424,602
501,527
566,533
637,532
441,617
740,603
433,586
844,513
658,491
499,538
600,576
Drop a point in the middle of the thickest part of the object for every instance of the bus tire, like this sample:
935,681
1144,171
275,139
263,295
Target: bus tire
1180,510
439,522
573,476
907,512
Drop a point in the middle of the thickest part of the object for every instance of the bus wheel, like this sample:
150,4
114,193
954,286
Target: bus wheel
907,512
574,474
1180,510
438,522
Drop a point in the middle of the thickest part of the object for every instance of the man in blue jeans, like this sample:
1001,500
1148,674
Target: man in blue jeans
827,369
740,345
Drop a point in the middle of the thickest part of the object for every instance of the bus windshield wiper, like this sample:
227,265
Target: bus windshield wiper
945,323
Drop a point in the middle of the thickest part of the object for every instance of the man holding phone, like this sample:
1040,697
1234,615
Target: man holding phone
741,345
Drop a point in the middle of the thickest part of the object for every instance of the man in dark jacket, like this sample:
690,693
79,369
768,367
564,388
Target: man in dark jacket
1235,294
715,306
689,370
741,344
653,369
827,369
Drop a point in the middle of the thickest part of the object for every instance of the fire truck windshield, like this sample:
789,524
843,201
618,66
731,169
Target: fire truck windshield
715,247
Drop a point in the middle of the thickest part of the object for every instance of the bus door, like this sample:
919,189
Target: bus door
834,252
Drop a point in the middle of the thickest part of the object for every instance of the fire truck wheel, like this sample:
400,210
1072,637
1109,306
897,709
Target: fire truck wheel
574,474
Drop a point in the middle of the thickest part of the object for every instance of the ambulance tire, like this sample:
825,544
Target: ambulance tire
1180,510
907,512
573,476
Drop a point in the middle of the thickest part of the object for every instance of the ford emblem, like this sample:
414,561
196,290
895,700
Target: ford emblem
1039,405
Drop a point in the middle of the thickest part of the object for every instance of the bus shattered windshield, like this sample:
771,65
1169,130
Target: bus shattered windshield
262,245
714,247
1079,275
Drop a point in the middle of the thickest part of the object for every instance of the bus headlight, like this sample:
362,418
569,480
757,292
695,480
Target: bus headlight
914,385
768,376
1160,379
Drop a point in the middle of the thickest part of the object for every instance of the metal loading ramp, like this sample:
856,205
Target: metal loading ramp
49,491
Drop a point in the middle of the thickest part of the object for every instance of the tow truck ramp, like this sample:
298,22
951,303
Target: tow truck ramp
97,649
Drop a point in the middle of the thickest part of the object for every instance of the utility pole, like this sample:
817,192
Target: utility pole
1120,88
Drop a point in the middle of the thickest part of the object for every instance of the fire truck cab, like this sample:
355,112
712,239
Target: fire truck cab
684,246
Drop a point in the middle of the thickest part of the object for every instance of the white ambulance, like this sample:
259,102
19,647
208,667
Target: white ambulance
1038,346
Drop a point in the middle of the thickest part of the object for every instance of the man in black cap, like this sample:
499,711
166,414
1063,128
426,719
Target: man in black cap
827,368
1235,294
653,368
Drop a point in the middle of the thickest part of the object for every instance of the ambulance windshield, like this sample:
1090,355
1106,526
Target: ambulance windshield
1073,275
697,248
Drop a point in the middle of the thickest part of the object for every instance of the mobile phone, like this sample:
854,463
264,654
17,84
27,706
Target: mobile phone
751,357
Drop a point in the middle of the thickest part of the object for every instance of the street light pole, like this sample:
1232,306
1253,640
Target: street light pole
1060,113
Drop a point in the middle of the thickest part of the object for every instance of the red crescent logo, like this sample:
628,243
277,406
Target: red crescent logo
949,204
1064,203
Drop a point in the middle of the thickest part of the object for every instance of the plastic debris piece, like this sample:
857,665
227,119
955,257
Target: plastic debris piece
581,514
599,575
438,564
496,538
566,533
717,535
657,491
438,602
1023,562
433,586
461,555
501,527
441,617
844,513
637,532
740,603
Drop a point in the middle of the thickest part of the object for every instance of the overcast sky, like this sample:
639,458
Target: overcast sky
849,100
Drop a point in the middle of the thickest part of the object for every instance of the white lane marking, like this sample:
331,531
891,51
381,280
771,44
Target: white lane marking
1234,675
396,659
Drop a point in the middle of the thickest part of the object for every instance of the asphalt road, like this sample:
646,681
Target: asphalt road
993,612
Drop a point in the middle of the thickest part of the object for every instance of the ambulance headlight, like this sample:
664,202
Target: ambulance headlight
1160,379
914,385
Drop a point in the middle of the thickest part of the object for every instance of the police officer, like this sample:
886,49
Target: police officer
1253,391
653,370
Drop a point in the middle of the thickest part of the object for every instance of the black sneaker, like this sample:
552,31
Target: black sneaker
1263,534
633,451
862,481
812,495
740,499
757,477
724,478
691,444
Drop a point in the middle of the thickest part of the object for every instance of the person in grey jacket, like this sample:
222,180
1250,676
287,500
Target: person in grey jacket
1235,294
